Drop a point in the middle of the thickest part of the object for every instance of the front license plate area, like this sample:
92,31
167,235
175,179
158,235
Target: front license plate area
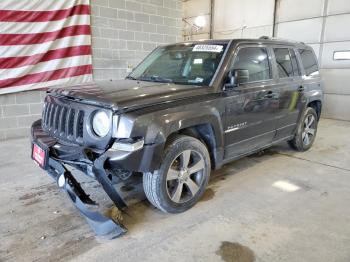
39,155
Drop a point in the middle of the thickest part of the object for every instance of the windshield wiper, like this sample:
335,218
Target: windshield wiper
155,78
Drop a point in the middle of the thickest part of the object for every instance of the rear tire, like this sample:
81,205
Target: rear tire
182,178
306,131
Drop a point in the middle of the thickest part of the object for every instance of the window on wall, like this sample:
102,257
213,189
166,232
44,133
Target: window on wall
309,62
341,55
256,61
284,62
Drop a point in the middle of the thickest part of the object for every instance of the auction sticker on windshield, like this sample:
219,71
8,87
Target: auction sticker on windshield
208,48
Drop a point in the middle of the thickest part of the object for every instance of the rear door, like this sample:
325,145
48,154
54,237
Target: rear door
310,71
251,108
291,89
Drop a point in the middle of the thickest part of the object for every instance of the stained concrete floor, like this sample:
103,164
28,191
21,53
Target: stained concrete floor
276,206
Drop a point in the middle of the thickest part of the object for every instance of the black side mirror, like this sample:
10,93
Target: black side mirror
237,77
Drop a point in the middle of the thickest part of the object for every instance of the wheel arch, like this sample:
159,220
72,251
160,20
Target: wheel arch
205,127
202,122
206,134
317,105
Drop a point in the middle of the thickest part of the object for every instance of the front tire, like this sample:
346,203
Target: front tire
306,131
182,178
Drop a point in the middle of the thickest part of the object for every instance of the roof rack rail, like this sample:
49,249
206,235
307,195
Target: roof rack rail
264,37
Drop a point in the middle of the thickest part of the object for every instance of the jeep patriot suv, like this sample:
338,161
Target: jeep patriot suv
186,109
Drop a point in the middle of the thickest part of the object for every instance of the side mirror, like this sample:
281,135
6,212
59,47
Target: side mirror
237,77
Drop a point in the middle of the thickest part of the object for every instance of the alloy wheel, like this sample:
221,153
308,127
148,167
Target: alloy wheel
185,176
309,129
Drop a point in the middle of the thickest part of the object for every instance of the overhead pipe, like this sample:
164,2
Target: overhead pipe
211,27
274,18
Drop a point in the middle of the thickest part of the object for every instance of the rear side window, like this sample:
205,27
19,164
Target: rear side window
309,62
284,62
256,61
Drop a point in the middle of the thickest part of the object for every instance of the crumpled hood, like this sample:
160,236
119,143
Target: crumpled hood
128,94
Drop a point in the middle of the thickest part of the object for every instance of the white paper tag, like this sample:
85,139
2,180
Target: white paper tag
208,48
198,61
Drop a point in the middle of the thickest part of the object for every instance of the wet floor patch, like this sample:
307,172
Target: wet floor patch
33,202
38,191
115,214
59,239
72,248
235,252
127,188
215,177
46,187
305,185
208,194
30,196
266,152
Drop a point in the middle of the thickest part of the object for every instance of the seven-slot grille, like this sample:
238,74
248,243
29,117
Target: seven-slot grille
63,122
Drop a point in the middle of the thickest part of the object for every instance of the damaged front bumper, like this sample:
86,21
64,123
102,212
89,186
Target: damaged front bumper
102,225
55,167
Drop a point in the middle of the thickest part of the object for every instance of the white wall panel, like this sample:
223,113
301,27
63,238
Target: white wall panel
200,36
308,31
288,10
252,32
258,31
193,8
234,14
327,55
191,21
316,48
228,35
338,7
336,106
334,25
336,81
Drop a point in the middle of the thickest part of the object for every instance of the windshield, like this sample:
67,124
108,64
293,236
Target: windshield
193,64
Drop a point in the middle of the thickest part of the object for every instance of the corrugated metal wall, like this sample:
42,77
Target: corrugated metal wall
321,23
324,25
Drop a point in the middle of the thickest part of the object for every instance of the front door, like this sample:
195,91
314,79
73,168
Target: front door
251,109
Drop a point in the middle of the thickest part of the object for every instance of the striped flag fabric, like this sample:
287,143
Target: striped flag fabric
44,43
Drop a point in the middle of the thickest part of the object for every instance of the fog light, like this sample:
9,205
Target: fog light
61,181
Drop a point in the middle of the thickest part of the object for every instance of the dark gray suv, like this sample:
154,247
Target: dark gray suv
186,109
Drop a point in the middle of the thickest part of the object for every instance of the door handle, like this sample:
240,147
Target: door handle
269,94
301,89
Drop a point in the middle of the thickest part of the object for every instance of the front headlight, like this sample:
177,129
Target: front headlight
101,124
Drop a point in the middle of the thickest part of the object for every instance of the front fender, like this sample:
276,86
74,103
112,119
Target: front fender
156,126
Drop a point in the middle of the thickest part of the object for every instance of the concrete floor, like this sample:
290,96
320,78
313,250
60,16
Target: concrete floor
276,206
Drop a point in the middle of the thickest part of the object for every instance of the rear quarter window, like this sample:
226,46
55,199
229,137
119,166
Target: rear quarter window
309,62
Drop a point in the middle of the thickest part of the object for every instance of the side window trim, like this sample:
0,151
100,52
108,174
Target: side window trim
268,52
300,62
275,61
299,74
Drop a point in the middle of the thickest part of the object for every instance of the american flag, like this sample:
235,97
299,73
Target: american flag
44,43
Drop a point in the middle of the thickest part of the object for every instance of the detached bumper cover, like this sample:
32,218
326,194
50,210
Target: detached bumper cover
102,225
